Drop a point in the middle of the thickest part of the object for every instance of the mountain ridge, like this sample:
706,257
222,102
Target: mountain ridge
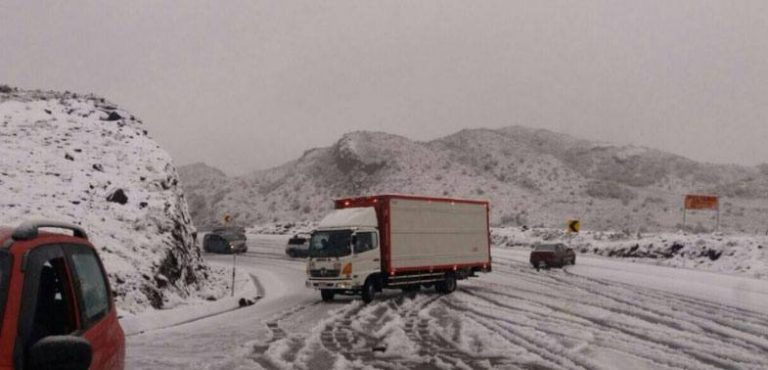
532,176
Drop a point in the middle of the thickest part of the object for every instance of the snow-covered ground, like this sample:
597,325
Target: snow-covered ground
725,252
247,291
599,314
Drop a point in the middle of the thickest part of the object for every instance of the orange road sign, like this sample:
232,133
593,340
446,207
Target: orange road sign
693,201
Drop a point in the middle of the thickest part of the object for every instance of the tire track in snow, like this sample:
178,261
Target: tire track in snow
731,324
712,308
555,319
354,333
494,321
278,334
417,329
731,356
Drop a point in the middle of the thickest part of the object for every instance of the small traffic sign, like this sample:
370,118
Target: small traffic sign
574,226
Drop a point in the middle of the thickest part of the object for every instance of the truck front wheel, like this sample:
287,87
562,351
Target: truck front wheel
369,291
327,295
448,285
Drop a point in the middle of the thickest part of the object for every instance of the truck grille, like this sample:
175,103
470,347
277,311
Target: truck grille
323,273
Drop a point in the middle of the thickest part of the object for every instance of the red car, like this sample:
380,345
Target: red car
56,306
550,255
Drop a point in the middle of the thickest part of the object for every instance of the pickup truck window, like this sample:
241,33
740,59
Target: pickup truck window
91,286
53,304
332,243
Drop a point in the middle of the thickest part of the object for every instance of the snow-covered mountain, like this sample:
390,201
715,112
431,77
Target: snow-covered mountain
81,159
532,177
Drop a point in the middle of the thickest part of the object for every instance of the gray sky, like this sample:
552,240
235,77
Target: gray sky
251,84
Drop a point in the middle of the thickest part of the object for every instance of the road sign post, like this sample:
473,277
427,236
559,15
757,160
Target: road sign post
573,228
234,268
701,202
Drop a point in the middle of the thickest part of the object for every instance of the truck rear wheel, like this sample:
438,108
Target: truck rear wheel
369,291
327,295
448,285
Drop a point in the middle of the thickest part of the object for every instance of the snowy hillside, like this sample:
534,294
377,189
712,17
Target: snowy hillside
81,159
532,177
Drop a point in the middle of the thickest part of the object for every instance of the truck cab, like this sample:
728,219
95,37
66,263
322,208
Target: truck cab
344,251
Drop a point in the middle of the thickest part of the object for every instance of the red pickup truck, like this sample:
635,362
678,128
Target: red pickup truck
549,255
56,306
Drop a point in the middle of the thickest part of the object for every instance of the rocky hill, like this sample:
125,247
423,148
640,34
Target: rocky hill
533,177
81,159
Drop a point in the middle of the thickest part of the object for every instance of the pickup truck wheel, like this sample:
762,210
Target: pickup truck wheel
369,291
327,295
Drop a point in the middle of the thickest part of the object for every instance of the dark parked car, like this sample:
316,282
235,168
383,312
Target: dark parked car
298,245
225,240
56,307
550,255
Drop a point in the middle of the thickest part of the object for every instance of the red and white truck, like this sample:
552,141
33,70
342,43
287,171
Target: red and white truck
398,241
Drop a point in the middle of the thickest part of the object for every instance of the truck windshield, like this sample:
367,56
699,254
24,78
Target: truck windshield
332,243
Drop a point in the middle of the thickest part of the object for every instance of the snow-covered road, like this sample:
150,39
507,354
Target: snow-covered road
599,314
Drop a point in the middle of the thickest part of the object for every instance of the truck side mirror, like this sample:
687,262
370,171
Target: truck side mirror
63,352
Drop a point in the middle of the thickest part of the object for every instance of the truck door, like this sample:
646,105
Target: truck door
47,305
367,258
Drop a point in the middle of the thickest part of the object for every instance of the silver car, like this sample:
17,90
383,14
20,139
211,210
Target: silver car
225,240
298,246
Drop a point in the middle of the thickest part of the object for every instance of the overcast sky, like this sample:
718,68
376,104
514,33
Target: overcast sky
245,85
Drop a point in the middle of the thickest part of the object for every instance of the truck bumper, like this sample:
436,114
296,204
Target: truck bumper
346,284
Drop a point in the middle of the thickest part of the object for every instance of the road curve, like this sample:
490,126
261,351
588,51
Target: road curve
515,318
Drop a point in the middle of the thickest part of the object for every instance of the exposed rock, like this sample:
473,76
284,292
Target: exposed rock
113,116
118,196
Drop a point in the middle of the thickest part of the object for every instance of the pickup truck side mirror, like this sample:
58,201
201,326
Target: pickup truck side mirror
61,352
